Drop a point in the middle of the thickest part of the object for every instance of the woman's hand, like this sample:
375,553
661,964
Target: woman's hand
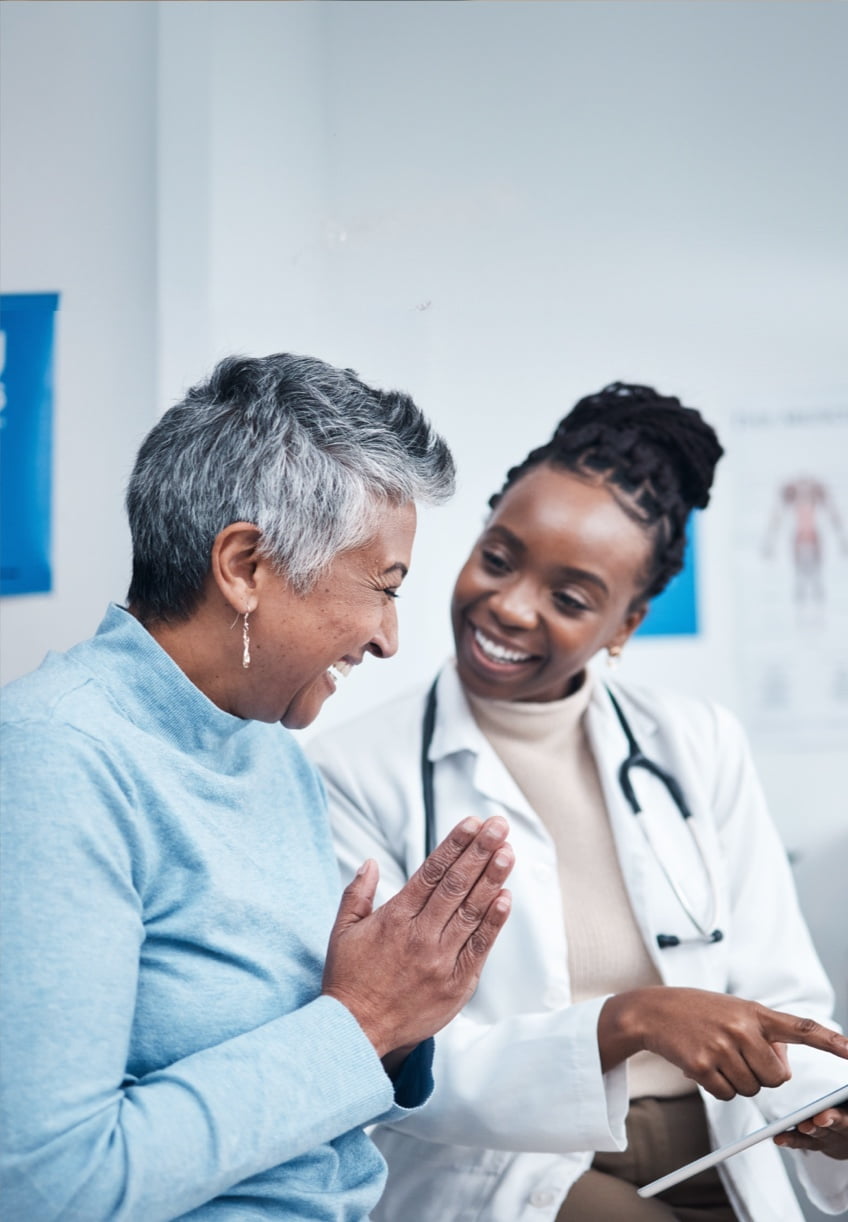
726,1044
826,1131
407,968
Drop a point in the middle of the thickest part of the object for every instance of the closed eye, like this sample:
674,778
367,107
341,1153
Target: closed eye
568,602
494,561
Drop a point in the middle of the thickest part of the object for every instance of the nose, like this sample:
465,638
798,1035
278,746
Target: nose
384,643
514,604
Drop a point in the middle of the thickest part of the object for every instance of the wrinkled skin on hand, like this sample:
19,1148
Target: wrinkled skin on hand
827,1132
407,968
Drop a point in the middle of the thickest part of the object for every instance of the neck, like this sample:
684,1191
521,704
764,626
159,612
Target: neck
206,647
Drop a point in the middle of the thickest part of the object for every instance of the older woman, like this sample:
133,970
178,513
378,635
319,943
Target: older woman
174,1042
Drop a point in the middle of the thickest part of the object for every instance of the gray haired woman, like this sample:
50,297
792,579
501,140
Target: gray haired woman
190,1027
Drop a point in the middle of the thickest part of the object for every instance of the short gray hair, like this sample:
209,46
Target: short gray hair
305,451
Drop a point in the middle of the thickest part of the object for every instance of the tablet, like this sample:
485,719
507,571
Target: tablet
840,1095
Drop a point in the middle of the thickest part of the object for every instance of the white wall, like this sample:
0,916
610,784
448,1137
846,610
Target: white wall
78,206
503,206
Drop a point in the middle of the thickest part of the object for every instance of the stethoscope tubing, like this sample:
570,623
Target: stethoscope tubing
706,932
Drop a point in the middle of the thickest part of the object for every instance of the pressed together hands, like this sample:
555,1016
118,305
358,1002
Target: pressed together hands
407,968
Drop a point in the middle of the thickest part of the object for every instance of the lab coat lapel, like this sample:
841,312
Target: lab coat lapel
456,731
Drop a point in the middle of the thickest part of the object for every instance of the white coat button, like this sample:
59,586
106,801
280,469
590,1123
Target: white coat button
541,1199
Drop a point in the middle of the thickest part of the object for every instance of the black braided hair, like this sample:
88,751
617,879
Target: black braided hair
657,457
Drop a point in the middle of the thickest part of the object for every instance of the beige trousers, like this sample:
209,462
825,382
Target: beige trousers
662,1134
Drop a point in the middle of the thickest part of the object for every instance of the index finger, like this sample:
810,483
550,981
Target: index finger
790,1029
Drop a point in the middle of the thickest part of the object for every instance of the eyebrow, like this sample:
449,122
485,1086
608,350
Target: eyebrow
563,573
572,574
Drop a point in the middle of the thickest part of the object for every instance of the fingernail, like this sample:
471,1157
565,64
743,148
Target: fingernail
502,860
361,869
469,825
492,835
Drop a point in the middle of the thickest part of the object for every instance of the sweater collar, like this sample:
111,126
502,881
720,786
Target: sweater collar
457,730
532,722
149,687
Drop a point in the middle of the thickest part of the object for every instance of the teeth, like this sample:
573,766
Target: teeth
497,652
340,669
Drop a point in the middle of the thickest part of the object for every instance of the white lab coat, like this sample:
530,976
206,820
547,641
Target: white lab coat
520,1100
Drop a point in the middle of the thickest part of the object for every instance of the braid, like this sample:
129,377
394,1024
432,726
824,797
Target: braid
657,456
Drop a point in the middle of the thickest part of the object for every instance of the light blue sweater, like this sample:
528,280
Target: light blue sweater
168,887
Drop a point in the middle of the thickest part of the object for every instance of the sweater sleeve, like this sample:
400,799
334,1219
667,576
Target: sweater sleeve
82,1138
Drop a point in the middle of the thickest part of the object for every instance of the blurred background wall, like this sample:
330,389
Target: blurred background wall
496,206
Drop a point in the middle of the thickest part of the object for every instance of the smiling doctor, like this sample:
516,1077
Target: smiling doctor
656,962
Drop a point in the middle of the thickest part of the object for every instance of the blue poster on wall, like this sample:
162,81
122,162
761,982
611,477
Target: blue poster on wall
26,437
675,611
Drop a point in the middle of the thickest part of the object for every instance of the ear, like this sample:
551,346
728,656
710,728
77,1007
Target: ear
629,625
234,563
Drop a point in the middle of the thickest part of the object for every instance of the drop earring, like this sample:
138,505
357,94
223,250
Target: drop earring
245,641
613,656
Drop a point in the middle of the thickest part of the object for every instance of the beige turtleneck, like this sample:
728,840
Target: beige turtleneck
546,749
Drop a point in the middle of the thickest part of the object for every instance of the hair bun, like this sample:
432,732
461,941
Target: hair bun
639,415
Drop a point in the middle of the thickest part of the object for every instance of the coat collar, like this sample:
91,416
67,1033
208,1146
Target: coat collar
456,732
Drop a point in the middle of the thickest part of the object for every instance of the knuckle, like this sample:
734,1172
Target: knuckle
808,1026
478,944
454,885
701,1064
431,871
469,914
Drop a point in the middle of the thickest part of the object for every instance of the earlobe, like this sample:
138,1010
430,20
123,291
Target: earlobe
631,623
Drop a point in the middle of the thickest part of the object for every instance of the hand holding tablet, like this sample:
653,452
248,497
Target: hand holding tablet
834,1099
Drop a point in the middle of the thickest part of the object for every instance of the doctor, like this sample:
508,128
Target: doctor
651,893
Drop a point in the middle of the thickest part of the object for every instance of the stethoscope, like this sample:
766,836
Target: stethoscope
706,932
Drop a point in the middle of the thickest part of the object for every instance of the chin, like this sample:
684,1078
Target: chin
299,718
304,708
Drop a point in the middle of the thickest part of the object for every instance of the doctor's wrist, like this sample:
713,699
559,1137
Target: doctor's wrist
621,1029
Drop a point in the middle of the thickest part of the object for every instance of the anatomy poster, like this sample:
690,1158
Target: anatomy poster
791,528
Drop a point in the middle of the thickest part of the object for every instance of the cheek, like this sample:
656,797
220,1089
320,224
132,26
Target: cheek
580,640
467,585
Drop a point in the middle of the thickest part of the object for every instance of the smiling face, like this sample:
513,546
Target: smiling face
555,576
301,644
